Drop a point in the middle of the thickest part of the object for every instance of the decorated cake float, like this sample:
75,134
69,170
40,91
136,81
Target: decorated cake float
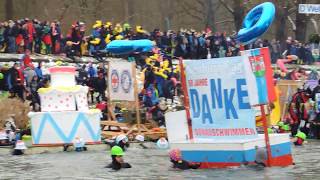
65,114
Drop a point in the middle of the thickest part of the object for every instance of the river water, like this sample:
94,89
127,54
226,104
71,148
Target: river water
147,164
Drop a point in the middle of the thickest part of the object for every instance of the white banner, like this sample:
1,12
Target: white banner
121,81
309,8
219,98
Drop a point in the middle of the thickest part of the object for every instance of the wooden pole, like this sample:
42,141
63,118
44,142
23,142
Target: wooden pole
266,134
136,93
109,96
286,102
186,97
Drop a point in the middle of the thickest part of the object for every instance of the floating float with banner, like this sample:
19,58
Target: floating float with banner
218,128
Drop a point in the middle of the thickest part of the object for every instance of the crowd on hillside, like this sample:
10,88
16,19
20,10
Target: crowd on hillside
47,38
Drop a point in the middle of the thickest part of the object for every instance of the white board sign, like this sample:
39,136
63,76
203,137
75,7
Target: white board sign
309,8
121,81
177,126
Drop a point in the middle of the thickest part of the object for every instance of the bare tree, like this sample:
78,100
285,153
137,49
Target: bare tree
128,11
201,10
284,11
9,9
83,6
97,6
237,9
302,21
167,6
64,10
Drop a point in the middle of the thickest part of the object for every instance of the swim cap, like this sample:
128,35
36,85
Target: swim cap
117,151
280,123
301,135
175,154
286,127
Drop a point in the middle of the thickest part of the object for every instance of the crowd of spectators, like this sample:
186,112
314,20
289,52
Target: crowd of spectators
47,38
161,77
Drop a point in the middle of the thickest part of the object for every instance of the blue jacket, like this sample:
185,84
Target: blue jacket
92,72
38,72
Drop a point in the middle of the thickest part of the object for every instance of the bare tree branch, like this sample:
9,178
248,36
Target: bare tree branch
186,9
64,10
227,6
292,10
223,21
315,24
201,3
191,7
294,27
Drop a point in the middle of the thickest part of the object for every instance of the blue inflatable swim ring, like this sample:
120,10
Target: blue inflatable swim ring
129,46
143,45
256,22
120,47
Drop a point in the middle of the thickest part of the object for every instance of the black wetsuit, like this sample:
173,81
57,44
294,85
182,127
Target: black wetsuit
115,165
17,152
184,165
121,144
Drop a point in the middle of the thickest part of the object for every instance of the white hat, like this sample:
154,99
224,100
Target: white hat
78,143
121,137
162,143
168,101
20,145
3,136
139,138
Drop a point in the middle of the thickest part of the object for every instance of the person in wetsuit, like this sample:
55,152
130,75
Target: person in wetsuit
117,159
121,141
179,163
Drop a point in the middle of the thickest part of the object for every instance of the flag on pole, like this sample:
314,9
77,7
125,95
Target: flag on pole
259,72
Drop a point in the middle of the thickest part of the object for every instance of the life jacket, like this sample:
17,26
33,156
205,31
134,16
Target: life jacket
296,112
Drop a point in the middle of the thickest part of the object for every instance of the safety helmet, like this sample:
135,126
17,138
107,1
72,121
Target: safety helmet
270,131
108,24
116,151
301,135
175,154
121,137
139,138
286,127
1,76
280,123
126,26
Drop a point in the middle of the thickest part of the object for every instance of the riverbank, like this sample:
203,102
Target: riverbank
5,150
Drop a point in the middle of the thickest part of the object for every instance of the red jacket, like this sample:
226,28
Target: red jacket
31,31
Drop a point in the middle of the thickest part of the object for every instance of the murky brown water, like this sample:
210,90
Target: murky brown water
147,164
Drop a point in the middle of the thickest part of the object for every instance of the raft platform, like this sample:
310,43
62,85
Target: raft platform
222,154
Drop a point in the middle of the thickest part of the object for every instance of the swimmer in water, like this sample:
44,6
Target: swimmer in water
117,159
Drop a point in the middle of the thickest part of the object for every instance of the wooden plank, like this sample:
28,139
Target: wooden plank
155,135
113,123
109,134
287,88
